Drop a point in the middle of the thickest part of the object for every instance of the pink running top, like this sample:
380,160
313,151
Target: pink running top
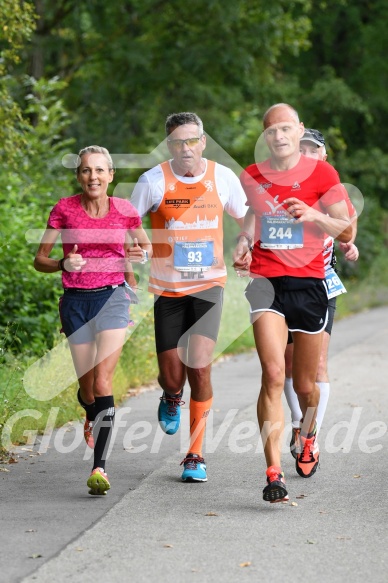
100,241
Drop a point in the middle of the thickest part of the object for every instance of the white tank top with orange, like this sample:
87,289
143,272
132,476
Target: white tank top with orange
187,225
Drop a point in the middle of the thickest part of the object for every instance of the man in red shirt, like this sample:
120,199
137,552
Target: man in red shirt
293,201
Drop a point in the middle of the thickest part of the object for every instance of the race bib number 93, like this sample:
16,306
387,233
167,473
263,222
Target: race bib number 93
193,256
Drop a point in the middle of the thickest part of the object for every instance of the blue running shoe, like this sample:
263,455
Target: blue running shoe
169,412
195,468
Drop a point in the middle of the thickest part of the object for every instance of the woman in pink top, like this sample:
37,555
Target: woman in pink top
97,278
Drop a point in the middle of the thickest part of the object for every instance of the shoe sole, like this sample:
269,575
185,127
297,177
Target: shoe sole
194,479
93,493
300,472
165,426
285,499
275,493
98,485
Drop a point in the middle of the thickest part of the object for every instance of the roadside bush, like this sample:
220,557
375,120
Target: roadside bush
28,298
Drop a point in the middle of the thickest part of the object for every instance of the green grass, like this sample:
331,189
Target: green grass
368,293
44,377
138,364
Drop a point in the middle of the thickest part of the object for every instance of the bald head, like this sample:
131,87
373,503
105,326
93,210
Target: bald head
279,111
282,133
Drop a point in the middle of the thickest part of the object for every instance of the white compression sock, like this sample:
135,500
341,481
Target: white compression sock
293,402
323,400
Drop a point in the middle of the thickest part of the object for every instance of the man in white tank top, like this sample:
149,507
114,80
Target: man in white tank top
186,197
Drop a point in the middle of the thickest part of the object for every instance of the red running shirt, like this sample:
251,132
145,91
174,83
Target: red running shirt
283,247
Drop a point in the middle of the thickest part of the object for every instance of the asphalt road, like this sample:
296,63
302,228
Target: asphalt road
152,527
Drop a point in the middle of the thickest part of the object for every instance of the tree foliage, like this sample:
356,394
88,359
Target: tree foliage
129,64
29,300
17,23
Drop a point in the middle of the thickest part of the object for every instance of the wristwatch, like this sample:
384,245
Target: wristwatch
248,238
145,257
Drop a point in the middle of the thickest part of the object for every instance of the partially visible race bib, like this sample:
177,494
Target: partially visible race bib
335,287
193,256
280,232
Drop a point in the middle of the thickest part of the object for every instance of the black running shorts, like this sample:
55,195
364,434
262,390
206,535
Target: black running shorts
330,314
195,314
302,301
330,318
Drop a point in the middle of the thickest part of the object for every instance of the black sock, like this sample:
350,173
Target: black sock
176,396
90,409
102,429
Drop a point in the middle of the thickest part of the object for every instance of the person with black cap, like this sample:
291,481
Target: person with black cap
312,145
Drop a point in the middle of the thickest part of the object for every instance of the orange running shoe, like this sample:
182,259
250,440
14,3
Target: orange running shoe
98,482
88,433
295,442
308,460
275,491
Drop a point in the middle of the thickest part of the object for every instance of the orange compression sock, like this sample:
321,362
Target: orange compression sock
199,411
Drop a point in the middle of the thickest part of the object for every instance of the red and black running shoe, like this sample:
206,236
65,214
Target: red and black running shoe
275,490
308,460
